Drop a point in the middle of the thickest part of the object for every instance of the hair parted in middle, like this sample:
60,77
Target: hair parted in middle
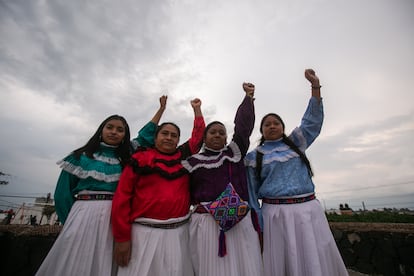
286,140
123,150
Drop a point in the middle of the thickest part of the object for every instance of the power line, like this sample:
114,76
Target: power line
370,187
10,206
371,202
18,196
398,197
7,201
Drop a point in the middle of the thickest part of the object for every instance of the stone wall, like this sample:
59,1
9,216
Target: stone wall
376,248
23,248
369,248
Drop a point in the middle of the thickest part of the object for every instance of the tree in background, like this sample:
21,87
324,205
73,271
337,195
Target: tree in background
2,175
47,211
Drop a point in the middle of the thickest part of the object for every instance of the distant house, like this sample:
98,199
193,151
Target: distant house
3,216
332,211
345,210
33,214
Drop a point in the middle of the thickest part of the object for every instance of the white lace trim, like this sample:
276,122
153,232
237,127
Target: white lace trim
236,158
280,153
105,159
83,174
281,148
303,145
278,158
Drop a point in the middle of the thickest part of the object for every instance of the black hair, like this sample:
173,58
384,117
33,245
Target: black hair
259,165
210,125
123,150
286,140
161,126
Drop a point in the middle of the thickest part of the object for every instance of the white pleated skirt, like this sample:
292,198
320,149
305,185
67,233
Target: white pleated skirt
85,244
159,252
298,241
242,243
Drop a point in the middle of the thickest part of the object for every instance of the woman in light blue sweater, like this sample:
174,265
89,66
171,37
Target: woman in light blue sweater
296,236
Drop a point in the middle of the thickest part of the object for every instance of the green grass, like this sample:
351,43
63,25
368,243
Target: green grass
385,217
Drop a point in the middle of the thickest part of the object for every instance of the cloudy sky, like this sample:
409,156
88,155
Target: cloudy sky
67,65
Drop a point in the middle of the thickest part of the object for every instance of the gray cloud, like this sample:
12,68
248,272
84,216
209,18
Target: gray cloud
66,65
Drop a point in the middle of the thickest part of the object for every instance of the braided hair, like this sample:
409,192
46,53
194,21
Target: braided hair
286,140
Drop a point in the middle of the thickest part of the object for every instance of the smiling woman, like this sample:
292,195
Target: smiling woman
167,137
153,195
221,243
83,198
83,202
296,235
113,132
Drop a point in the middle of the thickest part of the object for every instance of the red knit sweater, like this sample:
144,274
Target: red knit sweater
154,186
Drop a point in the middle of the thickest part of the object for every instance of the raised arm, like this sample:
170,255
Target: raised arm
310,75
196,105
163,104
312,120
193,145
244,119
249,89
146,134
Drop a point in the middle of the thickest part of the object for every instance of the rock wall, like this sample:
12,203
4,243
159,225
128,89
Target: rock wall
23,248
374,249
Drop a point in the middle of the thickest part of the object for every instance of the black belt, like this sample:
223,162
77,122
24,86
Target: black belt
292,200
94,196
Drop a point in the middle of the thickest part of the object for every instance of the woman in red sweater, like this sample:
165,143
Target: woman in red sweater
150,208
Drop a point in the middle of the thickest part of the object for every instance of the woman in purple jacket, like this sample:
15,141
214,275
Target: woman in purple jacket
210,173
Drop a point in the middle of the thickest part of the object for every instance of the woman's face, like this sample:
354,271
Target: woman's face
113,132
272,128
216,137
167,139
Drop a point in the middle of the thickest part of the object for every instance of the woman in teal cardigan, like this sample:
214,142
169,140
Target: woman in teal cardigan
83,198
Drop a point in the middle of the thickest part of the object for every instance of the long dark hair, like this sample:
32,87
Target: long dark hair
123,150
286,140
